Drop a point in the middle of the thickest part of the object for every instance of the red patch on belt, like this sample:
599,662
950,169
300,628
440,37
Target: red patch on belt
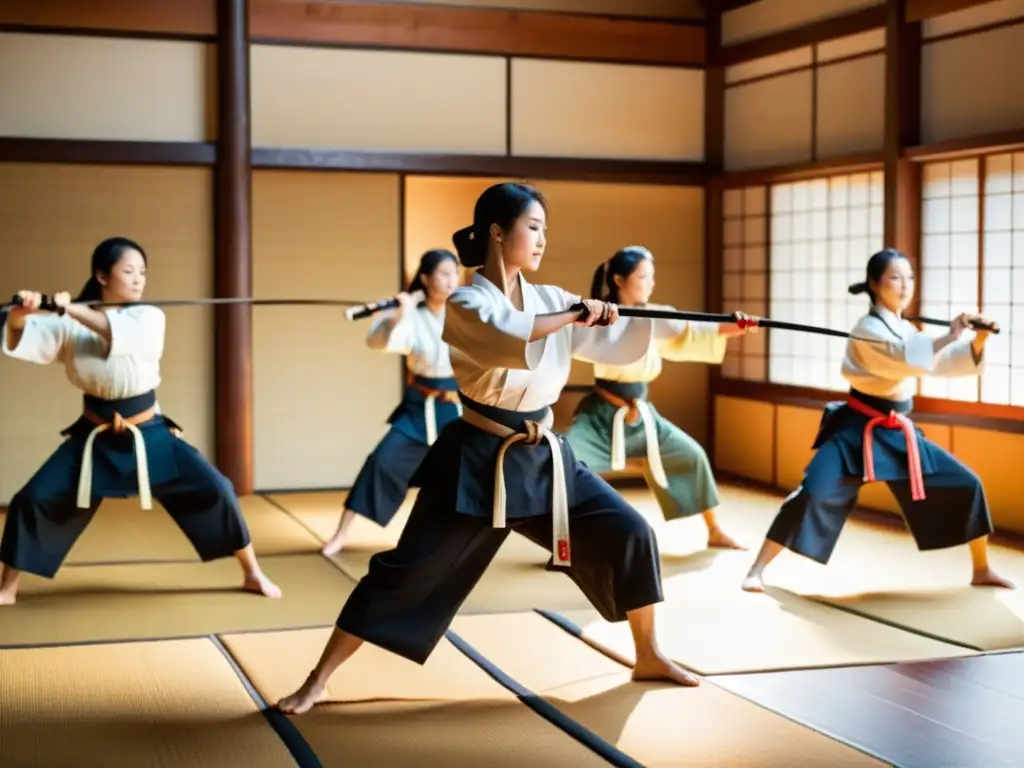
563,550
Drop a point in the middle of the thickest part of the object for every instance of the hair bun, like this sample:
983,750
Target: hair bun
471,249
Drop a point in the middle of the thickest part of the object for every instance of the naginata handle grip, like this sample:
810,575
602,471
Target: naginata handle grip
584,312
46,303
367,310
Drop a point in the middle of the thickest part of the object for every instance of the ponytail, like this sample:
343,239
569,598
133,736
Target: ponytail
599,288
91,291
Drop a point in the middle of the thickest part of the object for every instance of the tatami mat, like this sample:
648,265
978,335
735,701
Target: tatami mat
122,532
655,723
172,704
515,581
113,602
385,711
878,572
741,632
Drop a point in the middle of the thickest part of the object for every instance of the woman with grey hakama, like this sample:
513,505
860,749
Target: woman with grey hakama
122,445
869,437
430,402
501,468
617,420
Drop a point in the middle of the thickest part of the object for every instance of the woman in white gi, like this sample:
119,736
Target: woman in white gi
430,401
511,346
870,437
122,444
616,420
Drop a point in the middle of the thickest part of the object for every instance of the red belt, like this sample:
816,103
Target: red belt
892,421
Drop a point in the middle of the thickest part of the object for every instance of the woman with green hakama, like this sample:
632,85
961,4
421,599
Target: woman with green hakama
617,420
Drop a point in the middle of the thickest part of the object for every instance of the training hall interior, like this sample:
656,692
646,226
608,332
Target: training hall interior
314,149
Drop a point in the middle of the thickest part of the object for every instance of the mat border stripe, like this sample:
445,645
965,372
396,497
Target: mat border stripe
543,708
286,730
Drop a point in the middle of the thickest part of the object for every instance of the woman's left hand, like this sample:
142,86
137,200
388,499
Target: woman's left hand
62,300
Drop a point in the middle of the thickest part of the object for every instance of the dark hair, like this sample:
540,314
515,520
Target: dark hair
622,264
501,204
877,265
104,257
430,261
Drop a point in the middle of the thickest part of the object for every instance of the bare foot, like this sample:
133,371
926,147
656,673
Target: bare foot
8,598
989,578
304,699
660,668
752,584
719,539
334,546
261,585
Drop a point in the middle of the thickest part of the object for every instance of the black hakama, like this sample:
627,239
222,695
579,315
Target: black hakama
383,481
44,520
954,510
410,594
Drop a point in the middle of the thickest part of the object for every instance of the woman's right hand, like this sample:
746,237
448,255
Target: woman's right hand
407,302
30,303
598,313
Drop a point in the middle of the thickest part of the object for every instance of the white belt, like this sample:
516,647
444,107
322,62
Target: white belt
141,459
535,432
650,432
430,414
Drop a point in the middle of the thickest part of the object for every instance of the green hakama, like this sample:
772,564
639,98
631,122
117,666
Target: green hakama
676,467
691,487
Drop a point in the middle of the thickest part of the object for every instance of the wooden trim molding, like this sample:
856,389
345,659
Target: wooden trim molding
869,161
398,26
928,410
458,29
921,10
574,169
157,18
19,150
986,144
853,23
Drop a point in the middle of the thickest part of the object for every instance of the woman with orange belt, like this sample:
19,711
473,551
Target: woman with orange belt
617,420
430,402
870,437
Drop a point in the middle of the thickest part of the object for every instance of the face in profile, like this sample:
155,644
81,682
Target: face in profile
523,245
442,282
637,287
895,289
126,280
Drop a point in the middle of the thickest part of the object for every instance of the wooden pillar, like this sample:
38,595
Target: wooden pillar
902,130
233,271
714,159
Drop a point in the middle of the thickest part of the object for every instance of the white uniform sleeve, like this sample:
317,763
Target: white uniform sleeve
491,331
43,339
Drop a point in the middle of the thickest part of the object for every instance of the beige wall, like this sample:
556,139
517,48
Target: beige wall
321,396
66,87
588,222
785,109
964,86
768,17
458,104
51,218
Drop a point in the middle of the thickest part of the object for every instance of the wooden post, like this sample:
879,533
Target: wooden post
902,129
233,271
714,157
